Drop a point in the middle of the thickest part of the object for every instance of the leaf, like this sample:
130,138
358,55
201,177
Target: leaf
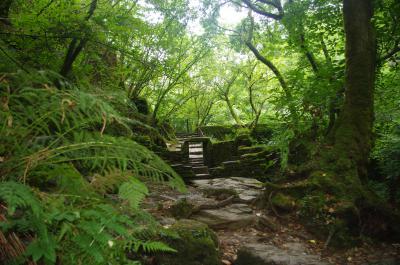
133,191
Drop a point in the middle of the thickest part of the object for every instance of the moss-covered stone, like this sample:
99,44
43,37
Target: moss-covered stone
243,140
242,150
222,151
262,132
181,209
283,202
196,245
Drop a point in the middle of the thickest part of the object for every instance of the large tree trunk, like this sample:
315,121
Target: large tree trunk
353,130
334,189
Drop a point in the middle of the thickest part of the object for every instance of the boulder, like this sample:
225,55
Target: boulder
196,244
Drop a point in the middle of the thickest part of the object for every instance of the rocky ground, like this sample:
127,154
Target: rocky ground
250,236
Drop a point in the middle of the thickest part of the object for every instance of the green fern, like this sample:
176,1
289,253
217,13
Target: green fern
18,196
134,191
72,127
78,145
110,181
149,247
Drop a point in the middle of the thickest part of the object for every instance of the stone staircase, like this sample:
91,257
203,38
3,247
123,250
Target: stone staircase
188,159
190,166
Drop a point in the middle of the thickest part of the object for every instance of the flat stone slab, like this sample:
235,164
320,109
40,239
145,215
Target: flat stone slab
234,216
265,254
195,156
247,189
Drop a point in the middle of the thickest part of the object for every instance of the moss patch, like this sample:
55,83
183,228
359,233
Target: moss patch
181,209
283,202
196,245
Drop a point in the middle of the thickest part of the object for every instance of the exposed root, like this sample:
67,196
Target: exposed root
271,205
217,205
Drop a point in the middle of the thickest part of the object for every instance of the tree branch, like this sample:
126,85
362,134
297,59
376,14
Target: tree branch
309,55
76,47
391,53
264,13
45,7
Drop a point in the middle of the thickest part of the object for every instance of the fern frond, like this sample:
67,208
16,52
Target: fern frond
134,191
149,247
16,195
110,181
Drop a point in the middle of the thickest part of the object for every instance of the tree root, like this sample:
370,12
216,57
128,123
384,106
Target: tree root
217,205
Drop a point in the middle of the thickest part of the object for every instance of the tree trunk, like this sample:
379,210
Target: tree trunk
353,130
74,50
232,111
76,46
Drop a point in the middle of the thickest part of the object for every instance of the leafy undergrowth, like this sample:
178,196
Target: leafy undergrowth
72,176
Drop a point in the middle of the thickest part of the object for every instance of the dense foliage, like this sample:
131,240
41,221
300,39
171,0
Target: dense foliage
89,89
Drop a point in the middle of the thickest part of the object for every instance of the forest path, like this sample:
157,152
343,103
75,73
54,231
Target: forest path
249,235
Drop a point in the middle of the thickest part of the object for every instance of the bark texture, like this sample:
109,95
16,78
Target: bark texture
353,130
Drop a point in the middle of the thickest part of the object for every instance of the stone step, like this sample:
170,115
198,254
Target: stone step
183,169
195,156
200,170
230,217
201,176
196,148
231,163
191,145
250,150
197,164
191,152
289,253
192,161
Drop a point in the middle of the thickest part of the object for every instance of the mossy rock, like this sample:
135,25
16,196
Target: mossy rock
243,150
222,151
283,202
243,140
181,209
197,245
262,132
